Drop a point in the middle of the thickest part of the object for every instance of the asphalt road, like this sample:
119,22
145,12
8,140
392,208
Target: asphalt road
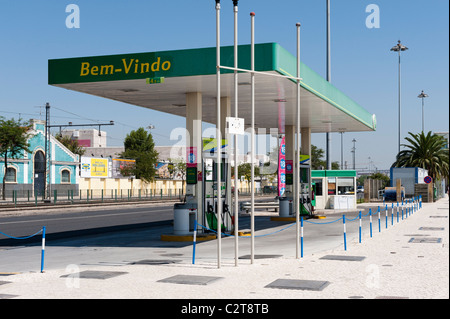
82,221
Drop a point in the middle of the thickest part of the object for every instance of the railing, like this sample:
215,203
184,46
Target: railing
68,197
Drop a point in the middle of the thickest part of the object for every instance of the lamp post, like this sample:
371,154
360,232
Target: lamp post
399,48
423,96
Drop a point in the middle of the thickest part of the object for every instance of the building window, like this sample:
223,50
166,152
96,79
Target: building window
345,186
65,176
319,187
11,175
331,185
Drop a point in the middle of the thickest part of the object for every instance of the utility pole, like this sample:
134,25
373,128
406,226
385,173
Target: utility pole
328,136
46,152
354,154
47,155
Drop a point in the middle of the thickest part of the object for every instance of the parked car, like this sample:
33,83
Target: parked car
270,189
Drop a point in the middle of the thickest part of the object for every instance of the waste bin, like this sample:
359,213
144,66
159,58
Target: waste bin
183,218
285,206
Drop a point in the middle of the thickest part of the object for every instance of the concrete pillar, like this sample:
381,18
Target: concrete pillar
306,141
399,190
194,130
290,151
225,111
367,190
306,150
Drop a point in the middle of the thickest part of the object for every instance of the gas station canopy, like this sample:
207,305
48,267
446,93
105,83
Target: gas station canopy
160,81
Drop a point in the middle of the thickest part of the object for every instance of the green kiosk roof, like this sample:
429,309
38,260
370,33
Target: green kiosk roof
123,78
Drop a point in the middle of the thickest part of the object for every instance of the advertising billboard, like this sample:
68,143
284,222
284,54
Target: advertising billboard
94,167
122,168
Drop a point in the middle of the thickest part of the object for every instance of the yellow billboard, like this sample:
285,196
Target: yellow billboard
94,167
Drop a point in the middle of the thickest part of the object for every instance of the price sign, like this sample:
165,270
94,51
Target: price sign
154,80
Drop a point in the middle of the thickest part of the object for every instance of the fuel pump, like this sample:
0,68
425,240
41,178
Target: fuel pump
211,187
305,190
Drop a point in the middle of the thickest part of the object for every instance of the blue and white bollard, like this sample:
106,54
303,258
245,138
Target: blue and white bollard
360,226
379,220
392,215
195,242
43,249
386,217
345,233
398,219
301,236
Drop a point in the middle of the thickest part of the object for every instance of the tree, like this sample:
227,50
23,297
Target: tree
177,166
425,151
13,141
71,144
317,161
384,178
139,145
246,170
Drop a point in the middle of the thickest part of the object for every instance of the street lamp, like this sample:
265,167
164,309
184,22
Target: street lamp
423,96
399,48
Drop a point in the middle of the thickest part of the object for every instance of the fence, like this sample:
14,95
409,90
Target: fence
406,208
28,237
17,197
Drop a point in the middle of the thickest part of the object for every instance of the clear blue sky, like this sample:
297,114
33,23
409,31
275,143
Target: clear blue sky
31,32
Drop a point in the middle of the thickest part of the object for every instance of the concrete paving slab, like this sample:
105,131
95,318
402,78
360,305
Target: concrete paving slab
428,240
343,258
296,284
95,274
6,296
260,256
191,280
155,262
432,228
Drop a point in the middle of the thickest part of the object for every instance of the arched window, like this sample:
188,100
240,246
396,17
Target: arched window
65,176
11,175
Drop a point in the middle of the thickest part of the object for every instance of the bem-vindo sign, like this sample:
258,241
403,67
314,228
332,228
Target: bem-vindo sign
127,66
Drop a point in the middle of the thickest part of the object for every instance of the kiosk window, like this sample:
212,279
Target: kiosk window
319,187
332,186
345,186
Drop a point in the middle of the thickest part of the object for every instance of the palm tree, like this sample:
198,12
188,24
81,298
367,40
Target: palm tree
425,151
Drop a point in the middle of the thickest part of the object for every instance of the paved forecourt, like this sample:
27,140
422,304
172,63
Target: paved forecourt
407,260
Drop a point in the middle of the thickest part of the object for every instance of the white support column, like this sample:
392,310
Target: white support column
194,130
306,140
290,151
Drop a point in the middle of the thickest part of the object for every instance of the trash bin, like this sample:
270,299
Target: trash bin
285,206
183,218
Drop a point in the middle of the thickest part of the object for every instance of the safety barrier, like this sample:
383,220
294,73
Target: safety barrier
410,206
27,237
